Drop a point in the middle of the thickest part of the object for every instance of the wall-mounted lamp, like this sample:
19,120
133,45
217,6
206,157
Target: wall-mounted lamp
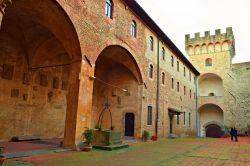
92,77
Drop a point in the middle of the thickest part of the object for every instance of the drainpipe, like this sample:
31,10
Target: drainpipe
157,88
196,97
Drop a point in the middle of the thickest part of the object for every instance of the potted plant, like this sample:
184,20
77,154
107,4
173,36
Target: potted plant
88,134
145,135
154,138
2,158
112,127
248,130
226,132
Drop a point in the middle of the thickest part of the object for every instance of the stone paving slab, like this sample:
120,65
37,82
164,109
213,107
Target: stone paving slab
187,151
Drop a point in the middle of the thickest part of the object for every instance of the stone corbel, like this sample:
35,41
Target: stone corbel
3,5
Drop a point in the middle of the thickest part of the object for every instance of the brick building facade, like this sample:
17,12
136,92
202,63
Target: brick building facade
62,61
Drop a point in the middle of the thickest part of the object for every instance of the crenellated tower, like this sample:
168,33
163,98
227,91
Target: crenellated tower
211,52
212,56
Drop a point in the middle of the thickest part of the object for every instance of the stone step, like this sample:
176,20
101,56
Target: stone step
111,147
172,136
24,138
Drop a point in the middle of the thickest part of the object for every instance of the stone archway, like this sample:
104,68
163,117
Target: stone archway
40,61
210,84
117,79
213,130
211,118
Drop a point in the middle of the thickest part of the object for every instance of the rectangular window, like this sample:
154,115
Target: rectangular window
178,119
189,119
184,118
184,90
149,120
184,70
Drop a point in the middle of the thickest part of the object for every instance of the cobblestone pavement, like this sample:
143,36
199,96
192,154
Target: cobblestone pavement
186,151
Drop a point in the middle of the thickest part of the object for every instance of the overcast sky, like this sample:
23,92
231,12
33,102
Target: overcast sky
179,17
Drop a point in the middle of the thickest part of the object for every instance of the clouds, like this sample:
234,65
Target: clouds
179,17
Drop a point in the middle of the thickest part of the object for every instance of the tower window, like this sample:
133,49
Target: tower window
190,93
109,8
151,71
184,90
211,94
184,71
133,28
208,62
151,43
149,119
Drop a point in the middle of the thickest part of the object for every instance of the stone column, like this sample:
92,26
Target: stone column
79,101
3,5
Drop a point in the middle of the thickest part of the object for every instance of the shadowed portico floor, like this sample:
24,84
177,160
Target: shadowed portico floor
186,151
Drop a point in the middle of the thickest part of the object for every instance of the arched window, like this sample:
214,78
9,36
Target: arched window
211,94
184,71
163,54
163,78
109,8
172,61
184,90
178,87
151,43
172,83
178,66
151,71
190,93
208,62
133,29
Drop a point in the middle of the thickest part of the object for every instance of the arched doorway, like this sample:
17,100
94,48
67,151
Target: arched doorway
213,131
210,115
117,80
129,124
39,52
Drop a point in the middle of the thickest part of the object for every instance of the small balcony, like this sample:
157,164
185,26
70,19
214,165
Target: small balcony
217,100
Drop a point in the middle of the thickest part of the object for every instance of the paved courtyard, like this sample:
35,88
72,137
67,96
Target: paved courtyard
184,151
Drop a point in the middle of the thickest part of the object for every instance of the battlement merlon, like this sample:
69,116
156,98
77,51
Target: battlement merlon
210,38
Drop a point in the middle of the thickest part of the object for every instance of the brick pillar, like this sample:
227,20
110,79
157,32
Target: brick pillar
79,101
